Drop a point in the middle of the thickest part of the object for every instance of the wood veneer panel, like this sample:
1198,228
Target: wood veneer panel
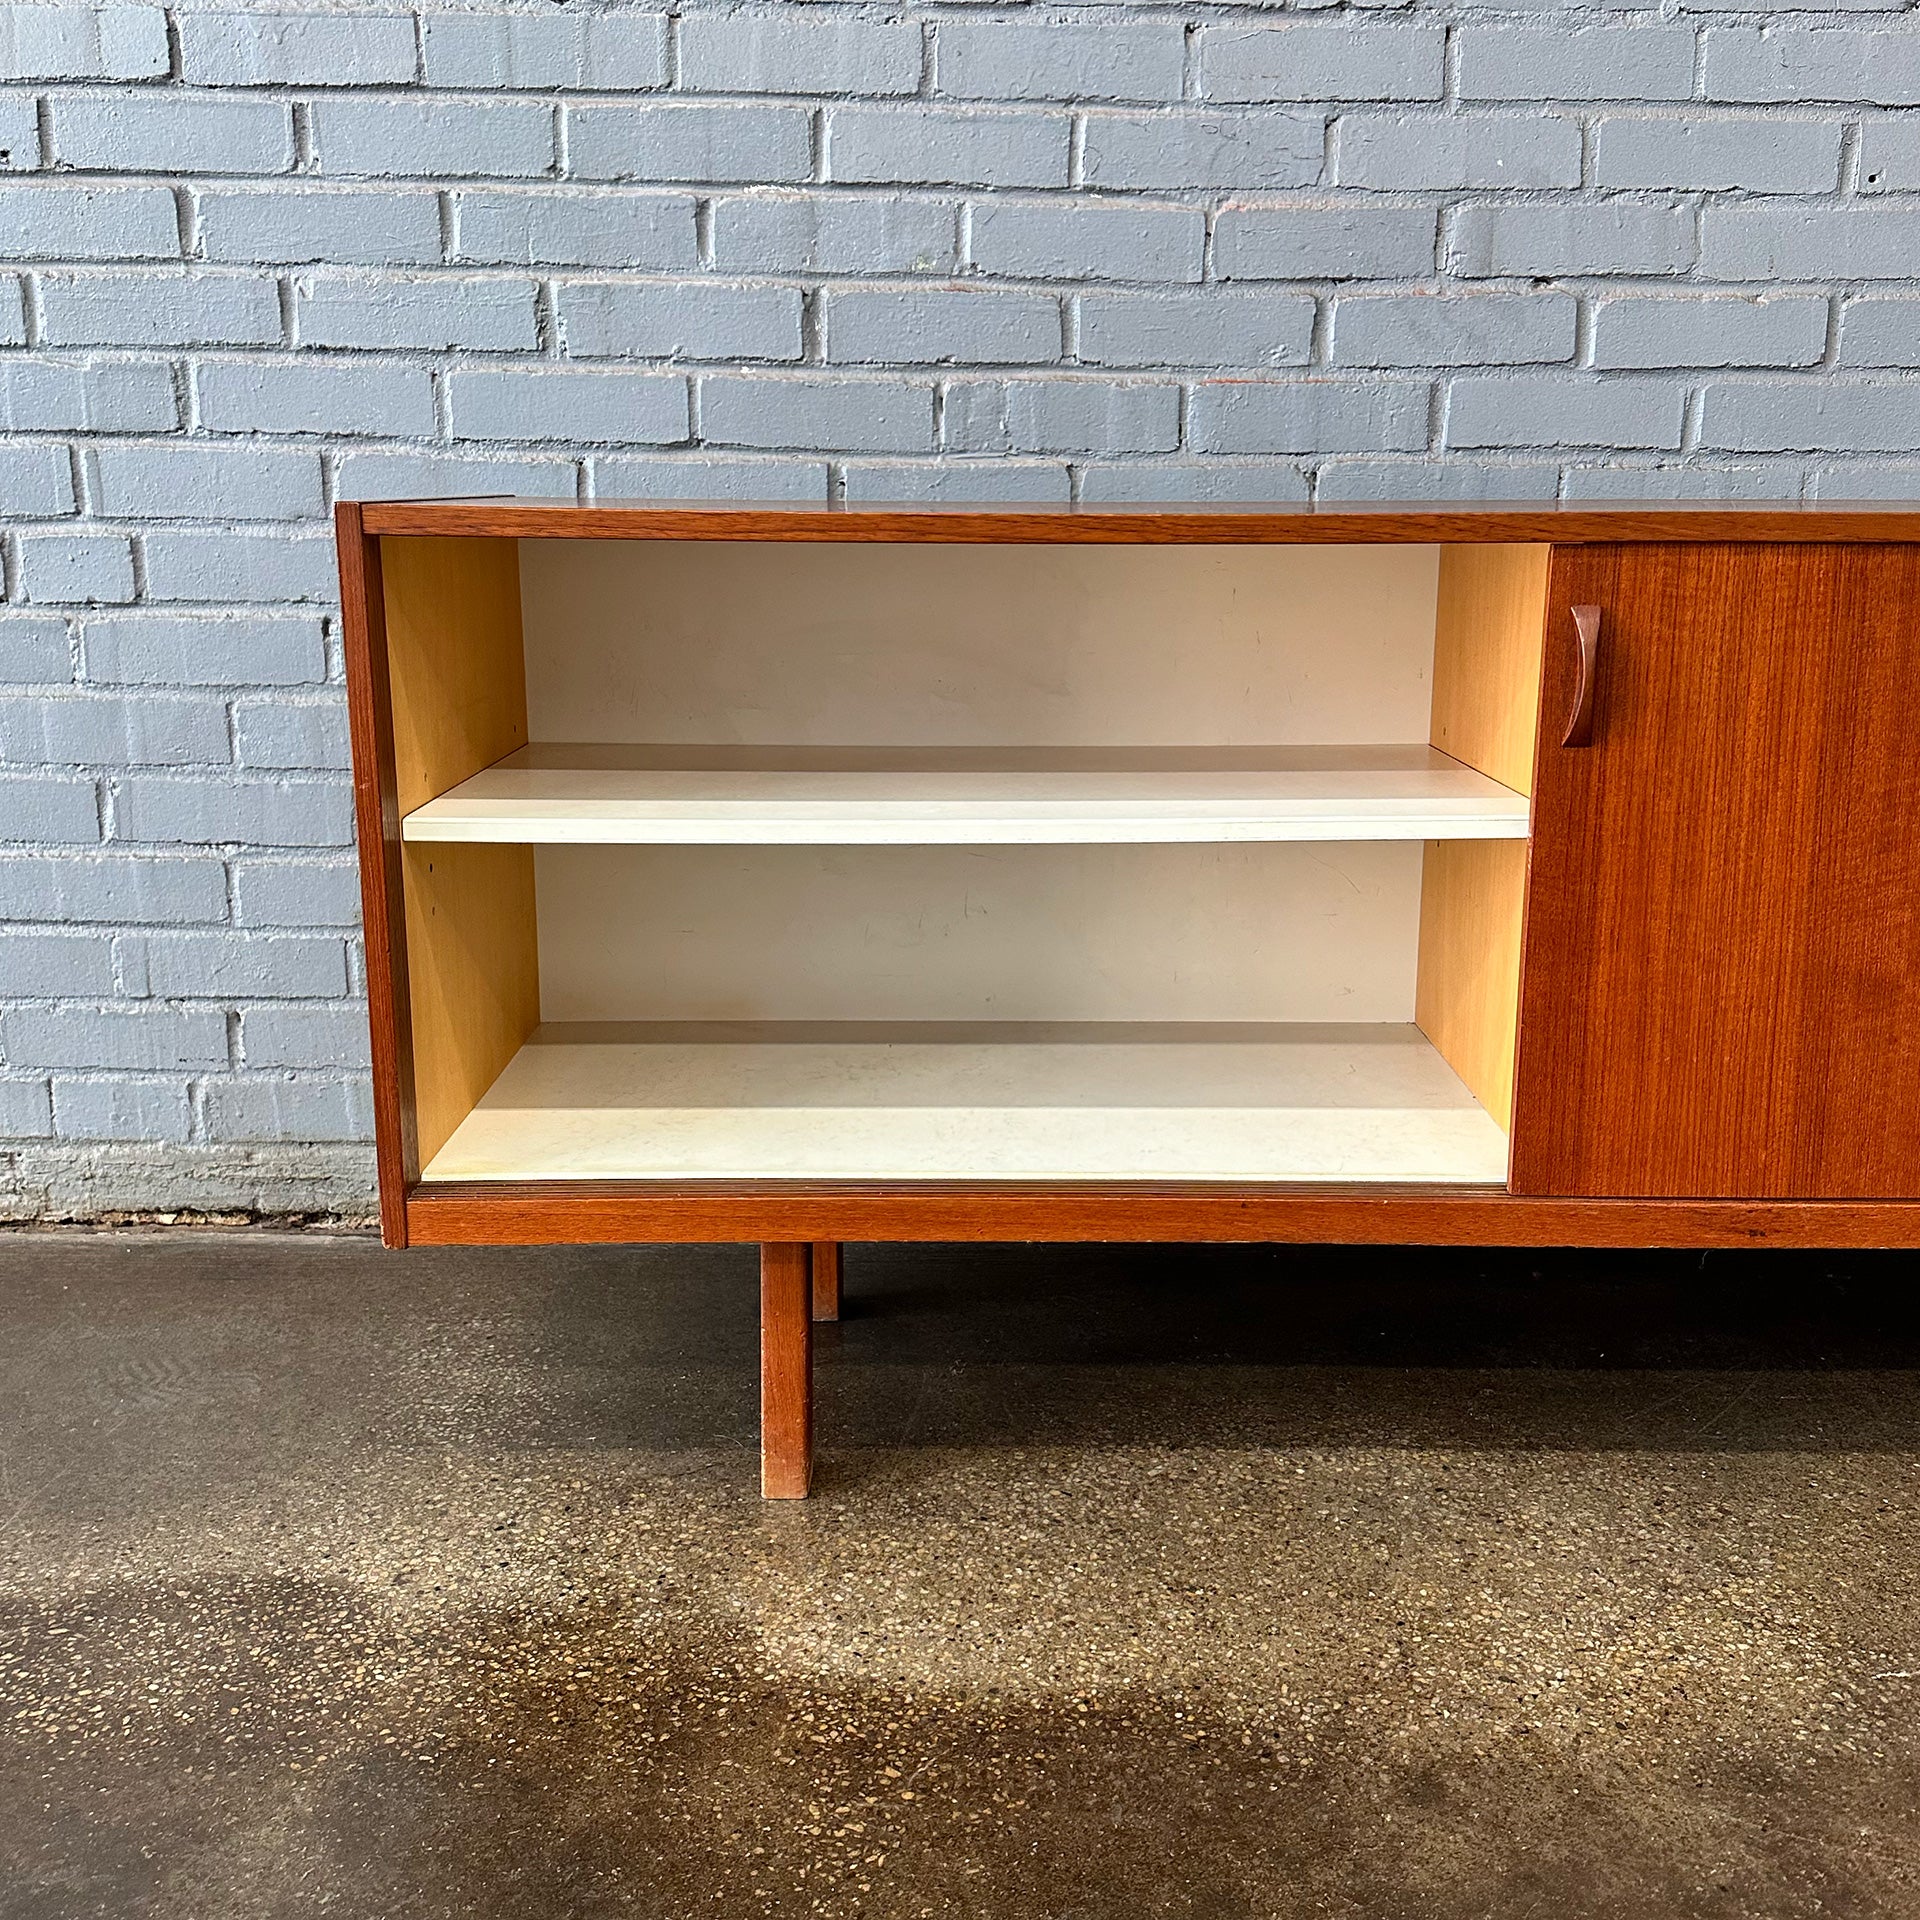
1473,898
377,828
1722,980
552,1213
455,660
1194,522
1486,658
474,972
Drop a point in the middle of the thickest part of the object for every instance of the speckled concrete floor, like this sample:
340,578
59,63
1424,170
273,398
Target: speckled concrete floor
1137,1582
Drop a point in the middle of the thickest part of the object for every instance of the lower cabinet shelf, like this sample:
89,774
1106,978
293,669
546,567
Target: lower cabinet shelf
971,1101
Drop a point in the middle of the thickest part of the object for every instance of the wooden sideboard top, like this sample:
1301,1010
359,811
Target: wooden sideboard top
1203,523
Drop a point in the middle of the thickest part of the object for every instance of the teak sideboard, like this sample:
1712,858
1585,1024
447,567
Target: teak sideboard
1480,874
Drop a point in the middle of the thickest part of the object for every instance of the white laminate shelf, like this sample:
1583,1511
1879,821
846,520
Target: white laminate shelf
687,796
964,1101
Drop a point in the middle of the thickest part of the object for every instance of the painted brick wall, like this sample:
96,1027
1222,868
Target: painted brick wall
257,260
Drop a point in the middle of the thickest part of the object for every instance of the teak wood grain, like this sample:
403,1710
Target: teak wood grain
1199,523
786,1370
826,1279
547,1213
1722,977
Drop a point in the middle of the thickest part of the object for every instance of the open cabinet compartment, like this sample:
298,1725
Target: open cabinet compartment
743,861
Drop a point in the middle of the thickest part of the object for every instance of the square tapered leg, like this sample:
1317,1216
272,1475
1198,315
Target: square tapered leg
826,1279
786,1369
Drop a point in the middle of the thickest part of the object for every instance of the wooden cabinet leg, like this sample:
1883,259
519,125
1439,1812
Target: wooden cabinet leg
826,1279
786,1369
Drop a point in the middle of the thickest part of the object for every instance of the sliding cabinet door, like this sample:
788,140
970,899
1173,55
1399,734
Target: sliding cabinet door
1721,985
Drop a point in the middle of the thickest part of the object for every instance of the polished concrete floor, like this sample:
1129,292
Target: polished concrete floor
1225,1584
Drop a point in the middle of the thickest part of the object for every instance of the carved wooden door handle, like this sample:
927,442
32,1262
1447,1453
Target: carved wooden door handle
1586,624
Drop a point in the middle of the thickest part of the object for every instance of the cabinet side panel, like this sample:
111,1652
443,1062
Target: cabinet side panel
1488,629
1473,897
456,660
474,967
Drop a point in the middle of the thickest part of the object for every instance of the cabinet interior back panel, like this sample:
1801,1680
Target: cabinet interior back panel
1291,932
791,644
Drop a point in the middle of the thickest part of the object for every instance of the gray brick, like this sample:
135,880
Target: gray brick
1155,480
206,966
1757,156
1307,416
304,1037
1232,150
1801,64
1880,332
314,396
483,315
26,1113
19,133
121,1109
1473,329
203,651
1087,240
978,147
922,326
1071,415
944,480
1460,150
40,808
159,309
1691,482
1889,156
1509,62
13,311
60,220
1824,416
288,1107
150,1039
277,566
1356,478
1879,480
343,226
692,320
35,480
1087,59
76,567
1323,242
289,734
352,49
567,403
701,477
389,134
260,813
296,893
775,232
850,416
171,133
90,729
423,476
60,966
34,650
1540,411
99,396
690,140
1766,240
83,43
136,890
1625,237
1322,60
649,231
545,53
785,53
1225,329
1788,330
205,483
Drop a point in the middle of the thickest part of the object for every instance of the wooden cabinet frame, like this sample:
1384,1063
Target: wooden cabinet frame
426,716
